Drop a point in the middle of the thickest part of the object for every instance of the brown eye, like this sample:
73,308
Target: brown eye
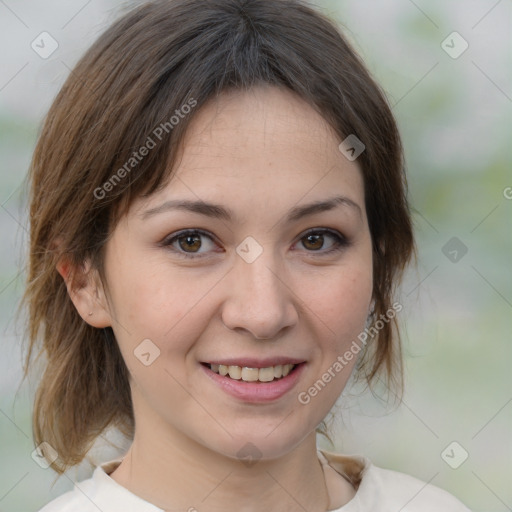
192,242
314,241
189,243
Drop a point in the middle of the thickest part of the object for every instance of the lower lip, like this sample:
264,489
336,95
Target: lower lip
256,391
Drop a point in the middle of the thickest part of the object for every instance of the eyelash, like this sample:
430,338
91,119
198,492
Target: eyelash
340,241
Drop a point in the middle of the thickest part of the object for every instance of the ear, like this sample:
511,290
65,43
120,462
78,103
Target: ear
86,291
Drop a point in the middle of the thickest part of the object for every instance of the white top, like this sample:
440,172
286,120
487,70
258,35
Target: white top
378,489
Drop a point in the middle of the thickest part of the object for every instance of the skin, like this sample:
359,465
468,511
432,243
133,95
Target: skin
259,153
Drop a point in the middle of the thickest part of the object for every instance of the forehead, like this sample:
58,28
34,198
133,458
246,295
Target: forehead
264,119
262,148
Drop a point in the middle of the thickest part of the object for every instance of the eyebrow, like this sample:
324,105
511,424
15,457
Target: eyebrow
220,212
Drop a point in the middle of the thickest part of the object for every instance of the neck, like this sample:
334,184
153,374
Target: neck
178,473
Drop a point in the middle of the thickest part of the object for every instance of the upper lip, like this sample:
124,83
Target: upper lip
252,362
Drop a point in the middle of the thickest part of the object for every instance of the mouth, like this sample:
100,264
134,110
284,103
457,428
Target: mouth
251,374
255,381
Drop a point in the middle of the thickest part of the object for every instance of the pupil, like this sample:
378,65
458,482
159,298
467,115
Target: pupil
317,237
190,241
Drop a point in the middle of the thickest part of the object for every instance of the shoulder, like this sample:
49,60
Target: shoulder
100,492
74,500
387,490
400,491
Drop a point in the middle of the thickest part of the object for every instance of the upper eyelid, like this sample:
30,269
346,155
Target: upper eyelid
203,232
189,231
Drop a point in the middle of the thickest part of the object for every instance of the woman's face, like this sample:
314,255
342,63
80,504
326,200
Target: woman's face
253,288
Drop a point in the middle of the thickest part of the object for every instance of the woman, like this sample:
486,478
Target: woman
218,223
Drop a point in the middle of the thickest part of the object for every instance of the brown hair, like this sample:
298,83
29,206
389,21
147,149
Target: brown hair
145,67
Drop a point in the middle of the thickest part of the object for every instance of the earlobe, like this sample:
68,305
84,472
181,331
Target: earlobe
86,293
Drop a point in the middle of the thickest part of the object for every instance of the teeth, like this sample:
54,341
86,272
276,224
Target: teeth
253,374
287,368
249,374
264,374
235,372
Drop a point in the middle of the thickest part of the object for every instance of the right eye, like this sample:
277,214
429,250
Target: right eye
185,240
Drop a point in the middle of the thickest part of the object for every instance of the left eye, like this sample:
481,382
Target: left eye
189,242
313,237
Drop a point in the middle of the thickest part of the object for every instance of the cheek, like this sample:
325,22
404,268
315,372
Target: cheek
144,293
169,308
340,304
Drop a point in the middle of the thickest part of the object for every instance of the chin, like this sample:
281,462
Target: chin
260,443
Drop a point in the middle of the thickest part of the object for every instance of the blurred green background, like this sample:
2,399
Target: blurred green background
454,112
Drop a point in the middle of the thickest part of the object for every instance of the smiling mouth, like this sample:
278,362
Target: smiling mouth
269,374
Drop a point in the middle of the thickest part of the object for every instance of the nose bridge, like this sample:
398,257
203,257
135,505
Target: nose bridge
258,282
255,262
261,274
258,300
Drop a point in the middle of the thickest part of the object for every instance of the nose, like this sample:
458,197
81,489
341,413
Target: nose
259,300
